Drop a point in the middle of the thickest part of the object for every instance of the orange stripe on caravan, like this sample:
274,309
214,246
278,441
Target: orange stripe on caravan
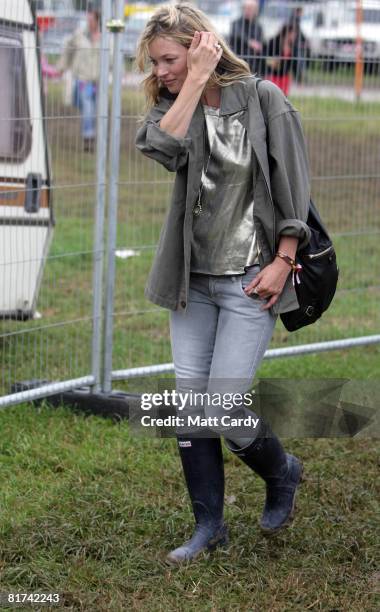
15,196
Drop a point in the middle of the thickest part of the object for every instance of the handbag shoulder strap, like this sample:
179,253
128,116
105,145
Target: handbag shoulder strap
264,112
263,106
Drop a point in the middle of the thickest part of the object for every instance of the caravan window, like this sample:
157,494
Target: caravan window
369,15
15,126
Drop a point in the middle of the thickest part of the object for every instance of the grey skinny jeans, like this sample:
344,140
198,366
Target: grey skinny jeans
217,346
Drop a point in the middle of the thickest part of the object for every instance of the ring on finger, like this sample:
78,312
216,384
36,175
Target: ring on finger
217,46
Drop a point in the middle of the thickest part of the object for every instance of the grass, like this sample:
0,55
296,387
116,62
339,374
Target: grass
89,510
319,73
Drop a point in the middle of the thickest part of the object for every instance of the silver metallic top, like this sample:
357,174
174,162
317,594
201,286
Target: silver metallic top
224,237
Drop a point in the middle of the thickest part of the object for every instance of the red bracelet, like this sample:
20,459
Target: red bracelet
292,263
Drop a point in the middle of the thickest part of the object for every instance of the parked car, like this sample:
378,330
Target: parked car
53,38
56,20
134,25
131,8
46,12
222,14
332,31
275,14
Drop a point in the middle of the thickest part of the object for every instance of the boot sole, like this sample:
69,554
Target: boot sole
210,547
290,519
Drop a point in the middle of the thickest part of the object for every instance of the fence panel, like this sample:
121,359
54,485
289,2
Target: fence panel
52,339
342,128
53,262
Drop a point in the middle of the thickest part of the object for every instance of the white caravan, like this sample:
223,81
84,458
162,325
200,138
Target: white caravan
26,219
332,31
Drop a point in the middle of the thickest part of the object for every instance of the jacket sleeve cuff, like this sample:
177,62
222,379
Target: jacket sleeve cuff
296,229
167,143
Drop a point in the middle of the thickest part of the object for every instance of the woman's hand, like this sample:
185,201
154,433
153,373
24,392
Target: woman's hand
203,56
269,282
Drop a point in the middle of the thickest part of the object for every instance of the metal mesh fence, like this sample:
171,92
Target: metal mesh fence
48,252
68,287
341,125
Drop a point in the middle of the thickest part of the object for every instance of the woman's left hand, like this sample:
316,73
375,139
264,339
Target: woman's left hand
269,282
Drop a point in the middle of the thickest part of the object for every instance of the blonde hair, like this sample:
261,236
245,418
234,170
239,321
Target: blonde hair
179,22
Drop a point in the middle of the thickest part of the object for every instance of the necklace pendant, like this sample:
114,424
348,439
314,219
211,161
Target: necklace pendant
197,209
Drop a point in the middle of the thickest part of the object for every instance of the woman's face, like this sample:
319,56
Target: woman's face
169,60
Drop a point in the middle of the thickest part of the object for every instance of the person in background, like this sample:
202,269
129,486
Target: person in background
301,48
81,56
280,52
246,37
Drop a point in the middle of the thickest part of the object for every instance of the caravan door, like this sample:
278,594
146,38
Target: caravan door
26,219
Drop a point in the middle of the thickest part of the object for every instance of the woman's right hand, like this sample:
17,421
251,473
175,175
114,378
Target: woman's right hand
203,56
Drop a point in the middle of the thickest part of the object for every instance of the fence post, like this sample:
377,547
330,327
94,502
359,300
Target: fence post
101,163
359,60
117,27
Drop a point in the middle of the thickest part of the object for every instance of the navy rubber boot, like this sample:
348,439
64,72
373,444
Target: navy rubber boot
280,500
202,462
281,472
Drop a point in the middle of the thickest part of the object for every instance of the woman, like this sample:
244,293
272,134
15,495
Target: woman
226,249
281,54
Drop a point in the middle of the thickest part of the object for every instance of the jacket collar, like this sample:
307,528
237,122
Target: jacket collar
234,98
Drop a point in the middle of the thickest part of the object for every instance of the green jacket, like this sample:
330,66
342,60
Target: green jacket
281,191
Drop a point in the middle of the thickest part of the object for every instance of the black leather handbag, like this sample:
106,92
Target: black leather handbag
316,280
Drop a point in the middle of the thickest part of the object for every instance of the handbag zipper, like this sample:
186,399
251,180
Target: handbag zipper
320,254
